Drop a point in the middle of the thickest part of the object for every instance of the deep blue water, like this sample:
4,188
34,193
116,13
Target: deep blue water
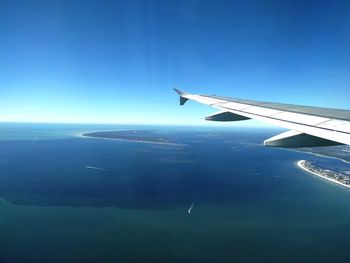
250,203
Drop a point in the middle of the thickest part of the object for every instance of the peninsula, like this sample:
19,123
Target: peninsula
144,136
332,176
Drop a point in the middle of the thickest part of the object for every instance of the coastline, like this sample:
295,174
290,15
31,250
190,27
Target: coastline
301,165
82,135
322,155
330,157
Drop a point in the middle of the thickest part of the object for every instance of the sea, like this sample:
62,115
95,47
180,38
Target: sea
217,195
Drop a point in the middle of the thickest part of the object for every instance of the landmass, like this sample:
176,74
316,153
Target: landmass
145,136
341,152
330,175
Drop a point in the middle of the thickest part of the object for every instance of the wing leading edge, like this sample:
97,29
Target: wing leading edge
309,126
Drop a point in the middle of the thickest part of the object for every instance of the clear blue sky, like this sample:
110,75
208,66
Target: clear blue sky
117,61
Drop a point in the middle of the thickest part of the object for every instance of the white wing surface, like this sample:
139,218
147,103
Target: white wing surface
308,126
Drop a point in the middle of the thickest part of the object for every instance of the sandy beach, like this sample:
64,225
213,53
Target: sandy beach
301,165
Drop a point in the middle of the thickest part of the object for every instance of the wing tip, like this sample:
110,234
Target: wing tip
182,94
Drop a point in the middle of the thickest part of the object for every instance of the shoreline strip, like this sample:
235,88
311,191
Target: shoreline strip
301,163
136,141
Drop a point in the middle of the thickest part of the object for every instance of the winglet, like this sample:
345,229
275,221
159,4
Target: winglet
182,98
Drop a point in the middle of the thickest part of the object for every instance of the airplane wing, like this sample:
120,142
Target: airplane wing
308,126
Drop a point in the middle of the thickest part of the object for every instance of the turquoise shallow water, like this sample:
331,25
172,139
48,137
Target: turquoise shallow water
250,203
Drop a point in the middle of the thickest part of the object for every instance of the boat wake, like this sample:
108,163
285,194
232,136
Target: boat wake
191,207
95,168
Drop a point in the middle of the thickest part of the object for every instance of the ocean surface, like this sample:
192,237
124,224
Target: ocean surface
217,196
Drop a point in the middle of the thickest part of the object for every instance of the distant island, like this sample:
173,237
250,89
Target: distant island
333,176
144,136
